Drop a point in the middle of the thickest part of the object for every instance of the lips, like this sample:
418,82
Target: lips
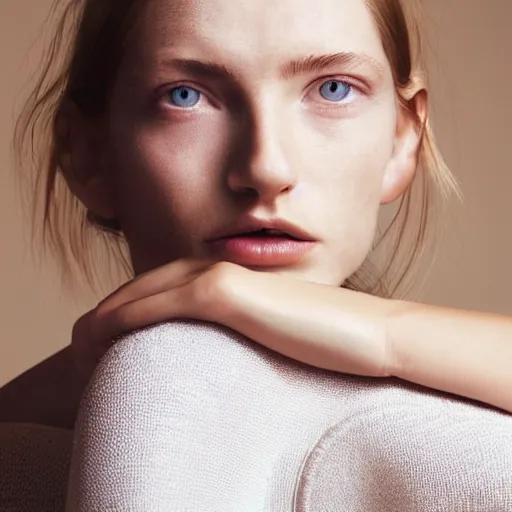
254,227
260,250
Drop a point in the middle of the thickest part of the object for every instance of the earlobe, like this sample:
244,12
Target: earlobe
78,146
409,135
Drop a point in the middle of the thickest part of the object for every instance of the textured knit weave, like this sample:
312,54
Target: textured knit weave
192,417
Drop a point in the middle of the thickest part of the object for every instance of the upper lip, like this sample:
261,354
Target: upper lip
250,224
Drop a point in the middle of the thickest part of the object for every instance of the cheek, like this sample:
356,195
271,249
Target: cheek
165,175
348,184
353,167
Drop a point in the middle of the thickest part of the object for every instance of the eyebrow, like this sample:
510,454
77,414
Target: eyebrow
304,65
315,63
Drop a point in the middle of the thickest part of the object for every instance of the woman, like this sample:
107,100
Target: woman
242,152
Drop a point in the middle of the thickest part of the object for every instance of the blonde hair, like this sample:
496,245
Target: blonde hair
84,72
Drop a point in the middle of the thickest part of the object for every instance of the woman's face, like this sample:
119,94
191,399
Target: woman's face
193,148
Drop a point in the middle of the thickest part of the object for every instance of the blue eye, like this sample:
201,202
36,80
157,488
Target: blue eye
336,89
184,96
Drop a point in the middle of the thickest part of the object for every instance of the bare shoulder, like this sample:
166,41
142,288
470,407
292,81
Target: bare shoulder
46,394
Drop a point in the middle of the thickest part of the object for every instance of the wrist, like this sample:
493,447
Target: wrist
394,313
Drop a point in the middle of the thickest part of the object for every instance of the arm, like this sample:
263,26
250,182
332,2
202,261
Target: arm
461,352
469,354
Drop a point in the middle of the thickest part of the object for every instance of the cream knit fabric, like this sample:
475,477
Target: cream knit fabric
192,417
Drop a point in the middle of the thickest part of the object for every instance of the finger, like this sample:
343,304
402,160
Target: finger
153,282
85,350
178,302
95,332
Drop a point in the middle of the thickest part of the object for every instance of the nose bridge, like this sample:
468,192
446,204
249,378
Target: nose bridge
264,161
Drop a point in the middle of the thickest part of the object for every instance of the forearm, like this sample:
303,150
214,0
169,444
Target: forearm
460,352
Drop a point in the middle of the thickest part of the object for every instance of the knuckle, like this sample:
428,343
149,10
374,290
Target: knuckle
222,269
82,328
97,319
211,289
218,275
119,317
99,312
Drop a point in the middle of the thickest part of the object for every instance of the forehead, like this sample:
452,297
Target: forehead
255,34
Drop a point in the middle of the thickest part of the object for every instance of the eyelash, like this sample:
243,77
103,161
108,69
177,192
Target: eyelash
357,88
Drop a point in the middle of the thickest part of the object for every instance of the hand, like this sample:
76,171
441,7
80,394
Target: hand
320,325
182,289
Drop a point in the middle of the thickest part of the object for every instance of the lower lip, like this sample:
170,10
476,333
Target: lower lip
261,251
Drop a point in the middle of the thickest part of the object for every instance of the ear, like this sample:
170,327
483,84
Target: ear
402,167
80,160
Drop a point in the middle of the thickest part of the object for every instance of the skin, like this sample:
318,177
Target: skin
258,144
255,143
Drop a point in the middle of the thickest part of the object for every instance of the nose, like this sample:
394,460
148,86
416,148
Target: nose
262,164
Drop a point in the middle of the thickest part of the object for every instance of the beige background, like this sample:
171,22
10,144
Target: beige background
470,44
